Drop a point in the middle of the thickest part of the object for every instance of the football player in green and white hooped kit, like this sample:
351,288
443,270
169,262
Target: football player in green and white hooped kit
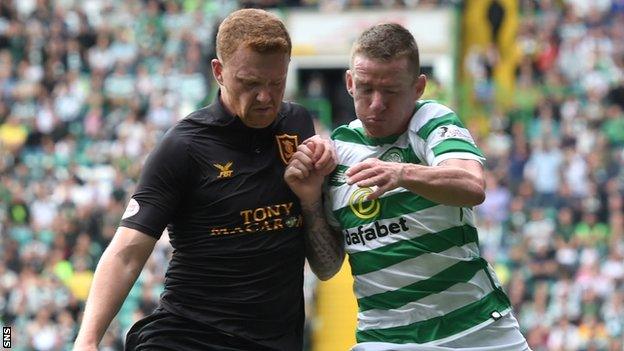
401,200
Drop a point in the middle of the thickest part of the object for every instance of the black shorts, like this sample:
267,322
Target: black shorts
163,330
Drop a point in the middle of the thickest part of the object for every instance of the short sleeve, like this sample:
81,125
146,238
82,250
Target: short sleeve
440,135
327,207
161,186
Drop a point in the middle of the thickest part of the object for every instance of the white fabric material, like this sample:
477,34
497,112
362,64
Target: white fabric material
502,335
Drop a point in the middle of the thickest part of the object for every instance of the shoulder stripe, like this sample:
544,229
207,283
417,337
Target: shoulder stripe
343,132
421,103
427,112
456,145
432,124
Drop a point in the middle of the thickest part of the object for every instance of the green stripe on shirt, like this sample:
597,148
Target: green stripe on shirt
456,145
432,124
385,256
440,327
391,206
338,177
358,135
460,272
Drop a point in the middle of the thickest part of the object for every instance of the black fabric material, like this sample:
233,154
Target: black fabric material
238,253
167,332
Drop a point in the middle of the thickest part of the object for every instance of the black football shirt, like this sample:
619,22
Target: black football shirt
235,226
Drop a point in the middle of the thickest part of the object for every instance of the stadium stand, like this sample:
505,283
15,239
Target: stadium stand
88,87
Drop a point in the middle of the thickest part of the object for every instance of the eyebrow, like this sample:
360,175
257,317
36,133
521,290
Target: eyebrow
365,83
247,78
256,79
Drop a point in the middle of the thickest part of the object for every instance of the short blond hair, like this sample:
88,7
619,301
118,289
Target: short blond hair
257,29
388,41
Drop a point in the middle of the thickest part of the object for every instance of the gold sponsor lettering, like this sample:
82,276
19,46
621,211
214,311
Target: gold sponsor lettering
259,214
277,224
273,211
246,216
255,227
266,226
263,219
287,207
263,213
218,231
251,228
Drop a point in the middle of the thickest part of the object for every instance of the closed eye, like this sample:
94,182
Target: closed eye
250,84
365,90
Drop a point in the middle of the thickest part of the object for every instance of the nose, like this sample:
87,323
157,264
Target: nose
377,102
263,96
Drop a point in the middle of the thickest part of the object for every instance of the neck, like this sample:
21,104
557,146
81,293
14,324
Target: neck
225,101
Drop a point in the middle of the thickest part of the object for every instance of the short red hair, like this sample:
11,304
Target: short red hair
257,29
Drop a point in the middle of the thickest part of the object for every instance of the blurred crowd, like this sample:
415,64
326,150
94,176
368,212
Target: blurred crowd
88,87
553,218
333,5
86,90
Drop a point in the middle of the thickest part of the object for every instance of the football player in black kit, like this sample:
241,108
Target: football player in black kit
240,235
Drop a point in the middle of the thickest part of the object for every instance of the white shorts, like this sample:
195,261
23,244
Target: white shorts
502,335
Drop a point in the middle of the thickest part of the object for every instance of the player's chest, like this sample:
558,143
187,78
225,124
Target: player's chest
241,190
240,168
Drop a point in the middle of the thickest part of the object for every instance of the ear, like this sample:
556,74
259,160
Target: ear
421,83
217,71
349,82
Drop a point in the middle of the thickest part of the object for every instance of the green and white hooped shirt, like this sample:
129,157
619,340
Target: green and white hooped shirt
419,276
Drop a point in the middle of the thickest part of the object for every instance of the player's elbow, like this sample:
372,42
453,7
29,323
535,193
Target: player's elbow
324,277
467,197
479,198
474,191
327,274
329,269
475,197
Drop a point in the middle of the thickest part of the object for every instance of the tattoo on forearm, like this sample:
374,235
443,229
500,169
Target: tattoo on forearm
324,247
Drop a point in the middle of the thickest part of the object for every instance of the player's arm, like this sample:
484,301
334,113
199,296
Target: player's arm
454,182
164,179
116,272
305,175
324,248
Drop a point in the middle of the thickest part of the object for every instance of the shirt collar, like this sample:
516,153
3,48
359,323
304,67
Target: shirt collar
218,115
